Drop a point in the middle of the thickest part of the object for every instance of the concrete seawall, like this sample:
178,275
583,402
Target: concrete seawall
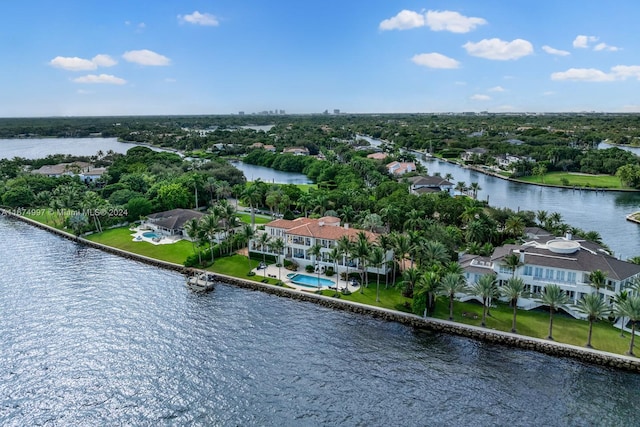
437,325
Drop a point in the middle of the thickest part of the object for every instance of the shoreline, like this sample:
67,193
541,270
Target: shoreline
552,348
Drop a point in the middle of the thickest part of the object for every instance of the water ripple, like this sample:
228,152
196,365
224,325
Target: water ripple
92,339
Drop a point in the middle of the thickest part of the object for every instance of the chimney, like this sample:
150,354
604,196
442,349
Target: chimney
568,236
346,225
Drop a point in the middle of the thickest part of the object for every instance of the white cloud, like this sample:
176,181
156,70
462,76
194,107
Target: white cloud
583,74
146,57
198,18
102,78
582,42
454,22
435,60
480,97
548,93
104,61
72,63
80,64
618,72
552,51
496,89
404,20
604,46
623,72
499,49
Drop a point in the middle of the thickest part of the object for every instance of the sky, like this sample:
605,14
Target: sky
133,57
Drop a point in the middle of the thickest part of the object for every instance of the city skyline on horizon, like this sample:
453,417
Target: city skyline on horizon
411,57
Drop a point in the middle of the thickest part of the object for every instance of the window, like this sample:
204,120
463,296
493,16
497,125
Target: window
571,277
537,272
528,270
560,276
548,273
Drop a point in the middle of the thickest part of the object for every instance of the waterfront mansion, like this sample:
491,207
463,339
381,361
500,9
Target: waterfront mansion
564,261
301,234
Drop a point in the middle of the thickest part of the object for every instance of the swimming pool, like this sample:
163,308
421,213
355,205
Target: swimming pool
150,235
310,281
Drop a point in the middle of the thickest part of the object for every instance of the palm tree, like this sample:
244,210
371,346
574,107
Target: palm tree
513,290
630,308
542,217
345,246
555,298
192,227
211,226
410,277
475,187
277,246
361,252
451,284
316,250
252,195
597,279
401,247
618,299
385,243
514,226
247,234
376,259
461,187
334,255
429,284
512,262
264,240
485,288
595,308
433,252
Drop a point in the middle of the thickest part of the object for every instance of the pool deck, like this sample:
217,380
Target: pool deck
137,236
272,272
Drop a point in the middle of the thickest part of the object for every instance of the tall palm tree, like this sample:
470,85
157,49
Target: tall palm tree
475,187
433,252
277,245
461,187
361,252
429,284
264,241
192,227
450,285
512,262
630,308
618,299
595,308
513,290
252,195
334,255
485,288
376,259
410,277
401,247
514,226
385,243
597,279
555,298
345,247
316,250
247,234
211,226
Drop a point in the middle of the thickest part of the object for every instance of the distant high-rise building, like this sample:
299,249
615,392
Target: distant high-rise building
241,113
281,111
336,111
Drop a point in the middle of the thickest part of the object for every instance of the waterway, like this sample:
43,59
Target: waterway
38,148
89,338
253,172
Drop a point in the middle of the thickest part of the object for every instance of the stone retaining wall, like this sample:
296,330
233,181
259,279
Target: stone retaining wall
437,325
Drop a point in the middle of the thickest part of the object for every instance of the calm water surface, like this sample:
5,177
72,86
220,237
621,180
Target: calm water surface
92,339
42,147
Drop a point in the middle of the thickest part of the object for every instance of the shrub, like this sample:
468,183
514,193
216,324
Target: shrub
329,272
309,269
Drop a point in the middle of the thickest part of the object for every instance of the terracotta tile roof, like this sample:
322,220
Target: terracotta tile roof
308,227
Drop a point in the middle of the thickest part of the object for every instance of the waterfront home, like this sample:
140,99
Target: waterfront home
377,156
296,151
400,168
85,171
171,222
428,184
545,259
301,234
506,161
472,154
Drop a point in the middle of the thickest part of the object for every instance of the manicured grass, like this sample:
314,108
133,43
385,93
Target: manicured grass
536,324
46,216
236,265
121,238
577,180
246,218
389,298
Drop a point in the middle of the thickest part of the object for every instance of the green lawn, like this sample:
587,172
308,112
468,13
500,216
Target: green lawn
536,324
236,265
121,238
389,298
578,180
246,218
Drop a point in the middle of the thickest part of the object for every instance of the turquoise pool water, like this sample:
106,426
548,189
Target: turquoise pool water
150,235
310,281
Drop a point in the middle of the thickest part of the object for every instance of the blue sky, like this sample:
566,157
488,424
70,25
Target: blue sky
131,57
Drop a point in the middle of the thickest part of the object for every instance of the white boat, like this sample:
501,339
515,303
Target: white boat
201,282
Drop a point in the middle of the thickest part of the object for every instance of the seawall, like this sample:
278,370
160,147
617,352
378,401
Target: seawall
587,355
